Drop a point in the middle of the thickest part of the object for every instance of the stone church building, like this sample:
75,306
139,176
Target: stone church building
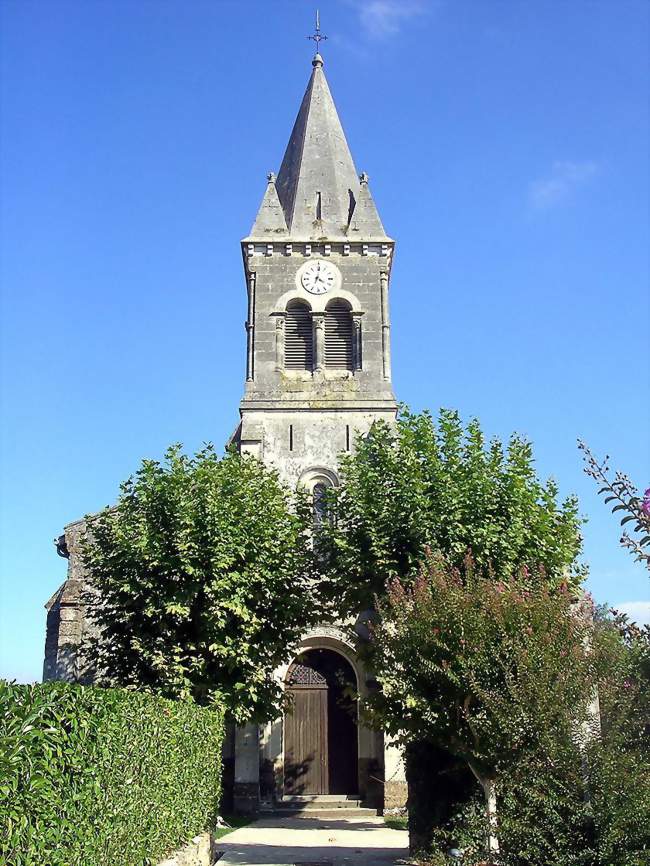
317,266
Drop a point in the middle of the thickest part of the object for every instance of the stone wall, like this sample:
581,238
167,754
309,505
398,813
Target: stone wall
301,421
201,851
67,625
299,443
395,795
271,271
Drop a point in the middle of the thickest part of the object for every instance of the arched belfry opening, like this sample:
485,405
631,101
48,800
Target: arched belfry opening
339,335
298,339
320,726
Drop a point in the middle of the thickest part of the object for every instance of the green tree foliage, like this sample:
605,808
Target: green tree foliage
567,806
543,817
503,675
619,760
439,484
199,581
92,776
490,670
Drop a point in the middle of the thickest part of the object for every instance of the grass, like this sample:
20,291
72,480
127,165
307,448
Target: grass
396,822
235,822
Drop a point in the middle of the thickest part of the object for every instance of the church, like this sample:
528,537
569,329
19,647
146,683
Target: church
317,266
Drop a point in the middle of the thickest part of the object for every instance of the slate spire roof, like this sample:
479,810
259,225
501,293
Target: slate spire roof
318,193
270,217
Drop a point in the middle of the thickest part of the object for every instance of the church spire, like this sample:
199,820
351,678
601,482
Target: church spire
317,187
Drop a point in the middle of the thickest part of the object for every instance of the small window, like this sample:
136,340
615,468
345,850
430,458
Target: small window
298,338
339,353
319,500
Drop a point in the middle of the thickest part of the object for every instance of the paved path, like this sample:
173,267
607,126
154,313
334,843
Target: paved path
315,842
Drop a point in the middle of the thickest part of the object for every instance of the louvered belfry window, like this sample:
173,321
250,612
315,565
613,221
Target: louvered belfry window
339,353
298,337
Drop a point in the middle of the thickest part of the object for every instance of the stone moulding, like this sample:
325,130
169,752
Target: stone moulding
264,248
329,631
317,303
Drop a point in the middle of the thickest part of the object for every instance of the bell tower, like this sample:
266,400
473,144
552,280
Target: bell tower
317,264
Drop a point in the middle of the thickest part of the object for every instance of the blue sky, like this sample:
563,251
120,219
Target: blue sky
506,144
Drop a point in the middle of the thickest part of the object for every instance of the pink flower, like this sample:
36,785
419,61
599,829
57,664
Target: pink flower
645,505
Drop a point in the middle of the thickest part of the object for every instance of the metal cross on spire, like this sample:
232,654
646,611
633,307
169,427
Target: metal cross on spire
318,36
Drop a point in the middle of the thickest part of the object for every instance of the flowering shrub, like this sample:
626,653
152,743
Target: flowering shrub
565,805
645,505
491,671
619,761
626,499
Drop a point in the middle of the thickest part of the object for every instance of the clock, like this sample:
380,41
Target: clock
318,277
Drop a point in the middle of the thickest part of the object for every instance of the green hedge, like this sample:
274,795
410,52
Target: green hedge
103,777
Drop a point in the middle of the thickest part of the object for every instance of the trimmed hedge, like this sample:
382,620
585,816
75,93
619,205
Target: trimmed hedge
99,777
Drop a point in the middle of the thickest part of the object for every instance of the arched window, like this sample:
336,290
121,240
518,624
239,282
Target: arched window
298,339
339,352
319,500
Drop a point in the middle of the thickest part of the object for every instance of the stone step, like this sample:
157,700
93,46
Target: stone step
331,801
322,811
320,806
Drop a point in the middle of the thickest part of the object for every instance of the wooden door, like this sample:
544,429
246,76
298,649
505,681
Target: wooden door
305,741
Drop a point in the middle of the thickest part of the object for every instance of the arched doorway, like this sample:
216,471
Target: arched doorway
320,727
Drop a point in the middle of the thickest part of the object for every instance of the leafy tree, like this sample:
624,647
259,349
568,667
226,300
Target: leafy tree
567,806
626,499
199,581
420,483
490,670
619,760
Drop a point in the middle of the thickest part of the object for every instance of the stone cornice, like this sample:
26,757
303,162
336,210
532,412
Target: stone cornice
286,405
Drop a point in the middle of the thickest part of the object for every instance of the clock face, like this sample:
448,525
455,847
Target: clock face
318,277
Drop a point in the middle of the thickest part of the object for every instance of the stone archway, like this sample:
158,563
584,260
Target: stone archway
320,729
